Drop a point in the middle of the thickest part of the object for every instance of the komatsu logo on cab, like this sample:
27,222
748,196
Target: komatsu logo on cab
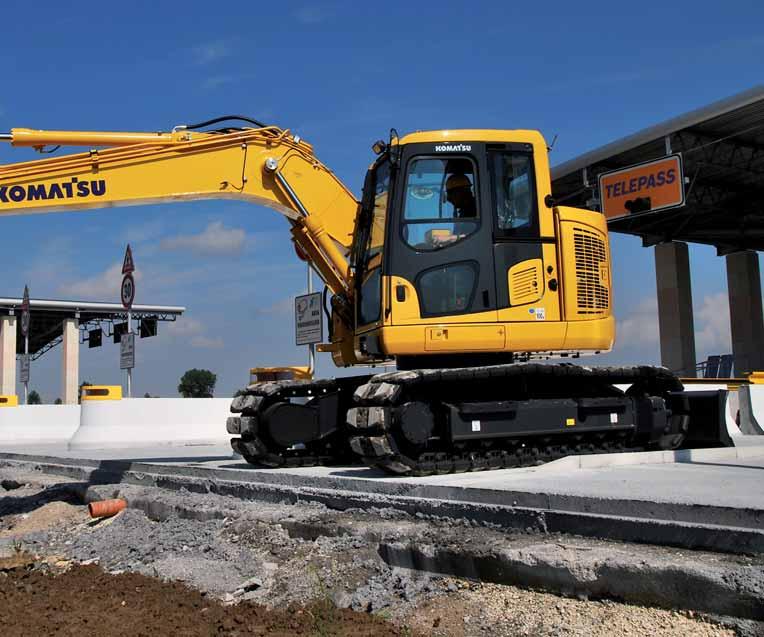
61,190
453,148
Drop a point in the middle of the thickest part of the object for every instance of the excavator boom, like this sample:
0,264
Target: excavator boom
266,166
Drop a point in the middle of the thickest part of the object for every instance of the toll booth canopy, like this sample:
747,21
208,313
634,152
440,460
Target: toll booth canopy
721,151
95,321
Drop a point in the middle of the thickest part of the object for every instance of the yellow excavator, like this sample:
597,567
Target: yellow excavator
456,264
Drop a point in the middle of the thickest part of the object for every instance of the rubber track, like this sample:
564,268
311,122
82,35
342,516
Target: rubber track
257,398
376,443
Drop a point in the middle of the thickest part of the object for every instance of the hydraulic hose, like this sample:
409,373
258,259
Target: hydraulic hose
226,118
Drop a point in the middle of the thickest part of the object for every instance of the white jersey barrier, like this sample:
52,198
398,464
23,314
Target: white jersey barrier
731,406
141,423
752,409
29,425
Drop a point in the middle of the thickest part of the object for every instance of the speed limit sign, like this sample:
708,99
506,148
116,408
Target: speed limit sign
128,291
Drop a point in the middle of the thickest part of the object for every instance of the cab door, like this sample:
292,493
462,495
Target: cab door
440,263
525,258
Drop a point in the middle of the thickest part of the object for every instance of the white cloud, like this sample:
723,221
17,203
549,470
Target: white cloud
205,342
185,326
711,318
283,307
712,321
146,231
214,239
641,327
192,331
310,15
210,52
52,262
104,286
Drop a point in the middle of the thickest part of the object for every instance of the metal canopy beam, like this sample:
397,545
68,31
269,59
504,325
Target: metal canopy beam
752,99
722,147
48,316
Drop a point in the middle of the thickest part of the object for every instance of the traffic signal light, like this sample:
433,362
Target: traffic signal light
95,338
119,330
148,327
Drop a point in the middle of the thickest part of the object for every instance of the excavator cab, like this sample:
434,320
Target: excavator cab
458,256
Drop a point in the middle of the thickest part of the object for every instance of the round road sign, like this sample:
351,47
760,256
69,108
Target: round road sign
128,291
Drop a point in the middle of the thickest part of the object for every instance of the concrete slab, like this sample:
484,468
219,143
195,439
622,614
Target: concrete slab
179,453
724,477
710,500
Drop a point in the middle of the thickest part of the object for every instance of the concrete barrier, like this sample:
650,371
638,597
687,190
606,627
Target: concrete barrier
157,424
34,425
101,392
731,407
752,409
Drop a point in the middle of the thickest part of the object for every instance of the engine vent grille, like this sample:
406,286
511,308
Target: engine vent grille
524,284
592,292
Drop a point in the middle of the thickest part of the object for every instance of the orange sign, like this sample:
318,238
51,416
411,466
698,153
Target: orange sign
647,187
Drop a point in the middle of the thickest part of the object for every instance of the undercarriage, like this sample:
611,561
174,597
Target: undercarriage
422,422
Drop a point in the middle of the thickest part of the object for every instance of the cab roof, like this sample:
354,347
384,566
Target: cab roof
473,135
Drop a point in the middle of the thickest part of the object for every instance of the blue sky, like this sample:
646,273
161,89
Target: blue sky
340,74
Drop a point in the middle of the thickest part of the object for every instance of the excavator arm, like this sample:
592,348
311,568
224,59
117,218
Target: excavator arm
266,166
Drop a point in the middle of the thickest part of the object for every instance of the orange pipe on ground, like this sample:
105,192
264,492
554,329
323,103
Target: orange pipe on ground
106,508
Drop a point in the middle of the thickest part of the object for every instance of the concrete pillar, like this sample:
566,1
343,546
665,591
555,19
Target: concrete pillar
70,379
746,319
7,355
677,329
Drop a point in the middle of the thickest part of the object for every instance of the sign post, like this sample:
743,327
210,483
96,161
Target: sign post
25,323
127,342
24,373
308,321
127,353
312,346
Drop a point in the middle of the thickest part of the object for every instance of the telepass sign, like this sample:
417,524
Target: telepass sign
647,187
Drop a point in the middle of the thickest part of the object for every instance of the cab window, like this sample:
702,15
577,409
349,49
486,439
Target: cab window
514,192
440,205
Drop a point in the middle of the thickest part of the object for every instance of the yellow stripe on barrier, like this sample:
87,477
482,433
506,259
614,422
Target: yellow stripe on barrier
9,401
756,378
260,374
101,392
733,384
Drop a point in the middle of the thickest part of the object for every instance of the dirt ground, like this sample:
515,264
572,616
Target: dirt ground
86,601
189,564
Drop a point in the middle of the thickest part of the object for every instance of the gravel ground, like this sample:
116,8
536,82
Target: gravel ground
504,611
279,555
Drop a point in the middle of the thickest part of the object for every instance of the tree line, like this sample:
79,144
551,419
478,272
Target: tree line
195,383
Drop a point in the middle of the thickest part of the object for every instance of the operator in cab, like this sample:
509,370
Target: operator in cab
459,195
